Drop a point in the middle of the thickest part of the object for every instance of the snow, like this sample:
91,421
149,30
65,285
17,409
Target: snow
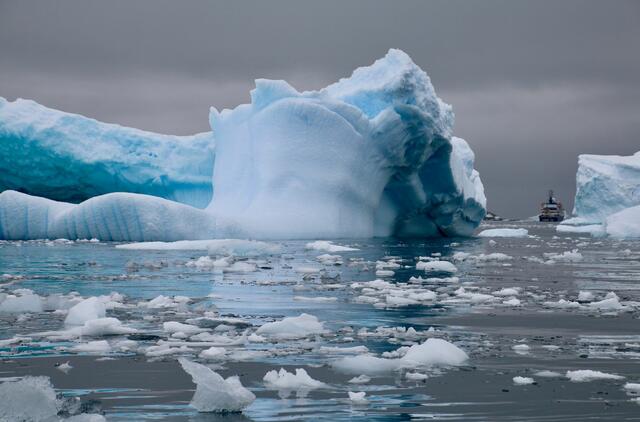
371,155
436,266
586,375
286,381
301,326
46,152
89,309
504,233
214,393
523,380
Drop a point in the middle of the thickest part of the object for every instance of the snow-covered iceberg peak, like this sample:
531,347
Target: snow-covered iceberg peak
369,155
69,157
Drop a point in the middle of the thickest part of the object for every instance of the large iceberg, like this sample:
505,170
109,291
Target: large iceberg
68,157
371,155
608,194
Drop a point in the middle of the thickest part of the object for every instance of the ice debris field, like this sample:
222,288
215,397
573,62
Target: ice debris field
369,329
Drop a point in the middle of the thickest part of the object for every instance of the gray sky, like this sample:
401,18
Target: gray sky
532,83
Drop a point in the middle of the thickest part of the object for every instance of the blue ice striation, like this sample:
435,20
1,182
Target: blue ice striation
68,157
371,155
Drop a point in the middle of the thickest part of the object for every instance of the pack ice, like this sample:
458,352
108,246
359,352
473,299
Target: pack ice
607,196
370,155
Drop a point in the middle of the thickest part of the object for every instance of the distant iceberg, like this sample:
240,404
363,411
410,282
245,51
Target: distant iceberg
607,196
371,155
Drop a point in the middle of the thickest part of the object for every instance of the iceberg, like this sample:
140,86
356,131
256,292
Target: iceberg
607,196
370,155
69,157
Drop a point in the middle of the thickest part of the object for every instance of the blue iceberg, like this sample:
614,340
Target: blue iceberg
68,157
371,155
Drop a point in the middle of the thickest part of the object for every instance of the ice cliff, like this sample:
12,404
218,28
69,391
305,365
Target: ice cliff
68,157
608,194
371,155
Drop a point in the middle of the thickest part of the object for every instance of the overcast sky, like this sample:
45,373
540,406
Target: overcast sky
532,83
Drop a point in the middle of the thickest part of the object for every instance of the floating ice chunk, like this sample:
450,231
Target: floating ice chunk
18,304
432,353
64,367
585,296
213,353
507,291
566,256
632,387
214,247
610,303
563,304
521,349
416,376
358,397
360,379
512,302
317,299
214,393
504,233
523,380
328,259
586,375
287,382
547,374
436,266
292,327
592,229
104,327
178,327
29,399
307,270
99,346
89,309
366,365
328,246
384,273
343,350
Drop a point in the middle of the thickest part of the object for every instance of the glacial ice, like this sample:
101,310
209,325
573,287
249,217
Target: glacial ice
214,393
68,157
607,196
370,155
33,399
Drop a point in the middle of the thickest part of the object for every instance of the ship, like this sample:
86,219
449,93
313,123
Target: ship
551,210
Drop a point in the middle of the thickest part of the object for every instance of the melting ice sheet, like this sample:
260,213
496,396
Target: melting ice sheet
370,155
